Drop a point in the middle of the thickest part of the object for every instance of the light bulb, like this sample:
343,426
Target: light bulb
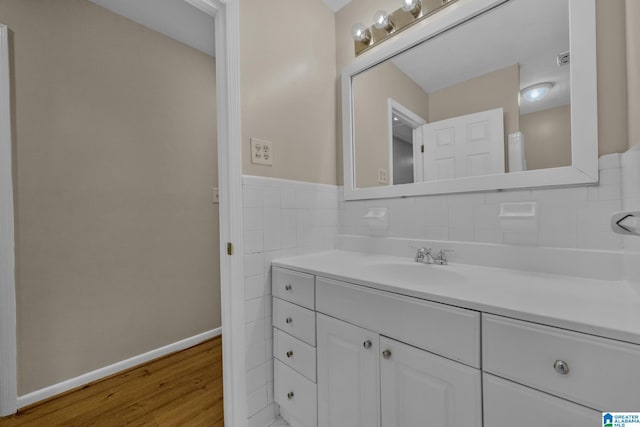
412,6
382,21
360,33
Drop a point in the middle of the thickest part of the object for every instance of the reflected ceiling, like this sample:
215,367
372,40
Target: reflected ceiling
486,49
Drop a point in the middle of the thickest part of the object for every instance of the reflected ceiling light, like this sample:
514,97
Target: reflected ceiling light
536,92
360,33
412,6
382,21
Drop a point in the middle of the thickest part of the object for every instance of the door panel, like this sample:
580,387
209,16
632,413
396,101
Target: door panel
348,380
420,388
463,146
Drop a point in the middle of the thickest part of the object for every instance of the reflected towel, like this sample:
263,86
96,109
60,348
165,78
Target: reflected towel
517,162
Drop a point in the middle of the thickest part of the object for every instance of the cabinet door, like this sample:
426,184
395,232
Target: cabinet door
419,388
507,404
348,380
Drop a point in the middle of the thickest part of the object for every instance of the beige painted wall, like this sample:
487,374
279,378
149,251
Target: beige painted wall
547,136
372,89
288,87
612,88
493,90
116,153
633,69
612,77
371,122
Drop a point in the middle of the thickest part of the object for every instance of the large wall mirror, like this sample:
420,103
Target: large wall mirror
483,95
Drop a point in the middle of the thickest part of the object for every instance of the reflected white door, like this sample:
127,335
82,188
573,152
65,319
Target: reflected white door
348,378
464,146
422,389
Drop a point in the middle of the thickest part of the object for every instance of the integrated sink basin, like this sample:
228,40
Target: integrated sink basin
416,272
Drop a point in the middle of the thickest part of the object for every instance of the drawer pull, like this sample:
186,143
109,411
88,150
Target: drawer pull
290,395
386,354
288,287
561,367
288,320
289,354
367,344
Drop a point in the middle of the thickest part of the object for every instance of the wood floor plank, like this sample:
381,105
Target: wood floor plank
182,389
112,383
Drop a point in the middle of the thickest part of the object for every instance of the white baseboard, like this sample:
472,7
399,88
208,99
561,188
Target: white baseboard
53,390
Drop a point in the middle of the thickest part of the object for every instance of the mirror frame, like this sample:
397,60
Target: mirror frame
584,107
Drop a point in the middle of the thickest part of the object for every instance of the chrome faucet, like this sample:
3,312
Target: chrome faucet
441,258
425,256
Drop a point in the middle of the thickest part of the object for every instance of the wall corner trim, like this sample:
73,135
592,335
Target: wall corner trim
56,389
8,354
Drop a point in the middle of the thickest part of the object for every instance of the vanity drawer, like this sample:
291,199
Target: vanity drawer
295,354
293,286
449,331
507,404
295,320
602,374
296,395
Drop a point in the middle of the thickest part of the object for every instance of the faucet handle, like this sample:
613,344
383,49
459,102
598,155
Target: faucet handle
422,253
442,256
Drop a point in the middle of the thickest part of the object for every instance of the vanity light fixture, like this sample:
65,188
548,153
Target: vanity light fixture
361,34
536,92
387,24
414,7
382,21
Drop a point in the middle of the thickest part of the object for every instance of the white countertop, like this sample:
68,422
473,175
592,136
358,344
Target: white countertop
604,308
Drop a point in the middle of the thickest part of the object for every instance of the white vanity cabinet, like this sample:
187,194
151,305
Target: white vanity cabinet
420,388
294,340
348,379
367,379
358,356
507,404
578,375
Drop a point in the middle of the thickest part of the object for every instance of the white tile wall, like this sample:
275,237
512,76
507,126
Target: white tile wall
284,218
631,202
574,217
281,218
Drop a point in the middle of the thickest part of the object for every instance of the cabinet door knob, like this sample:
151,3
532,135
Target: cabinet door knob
290,395
288,287
561,367
367,344
288,320
289,353
386,354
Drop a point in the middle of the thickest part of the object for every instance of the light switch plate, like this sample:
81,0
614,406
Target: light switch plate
261,152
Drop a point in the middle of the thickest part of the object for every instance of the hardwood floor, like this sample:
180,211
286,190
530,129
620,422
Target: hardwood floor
182,389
